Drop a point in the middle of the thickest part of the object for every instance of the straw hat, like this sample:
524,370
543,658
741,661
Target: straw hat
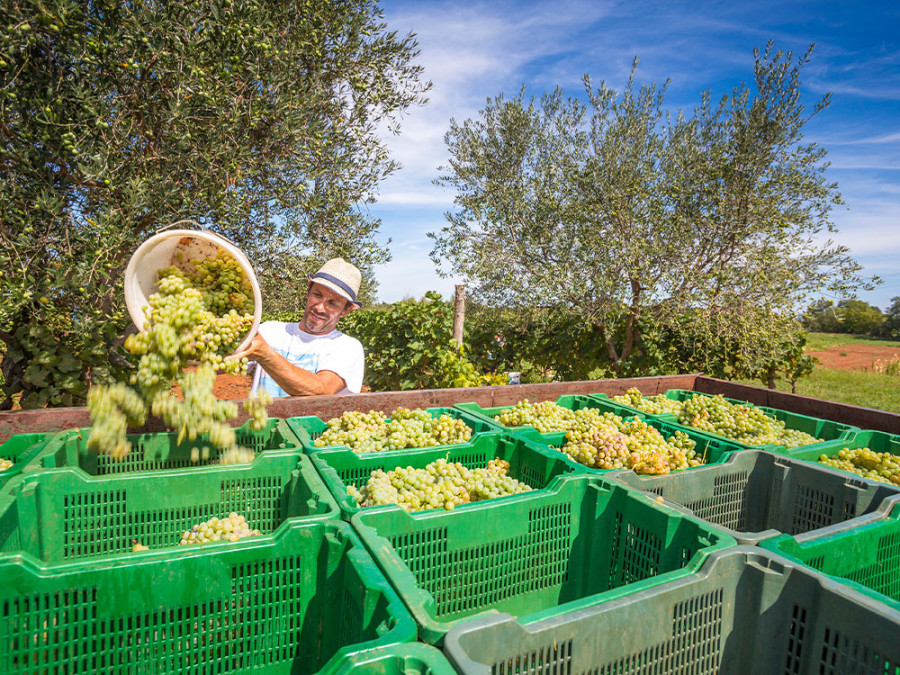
341,277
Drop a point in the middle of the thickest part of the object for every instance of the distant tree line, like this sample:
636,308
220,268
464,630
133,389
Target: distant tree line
855,317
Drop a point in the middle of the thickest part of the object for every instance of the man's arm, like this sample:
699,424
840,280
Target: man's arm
295,380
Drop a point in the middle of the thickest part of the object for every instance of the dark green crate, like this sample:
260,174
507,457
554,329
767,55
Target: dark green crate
309,428
63,514
22,449
746,611
301,601
568,401
414,658
866,557
714,449
529,464
814,426
578,542
152,452
877,441
757,495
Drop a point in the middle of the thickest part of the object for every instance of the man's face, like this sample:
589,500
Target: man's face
324,308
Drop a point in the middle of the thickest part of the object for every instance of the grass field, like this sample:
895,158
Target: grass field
857,387
818,341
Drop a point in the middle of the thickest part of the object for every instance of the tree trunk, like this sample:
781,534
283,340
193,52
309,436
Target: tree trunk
459,313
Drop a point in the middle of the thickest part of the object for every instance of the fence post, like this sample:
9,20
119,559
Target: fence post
459,313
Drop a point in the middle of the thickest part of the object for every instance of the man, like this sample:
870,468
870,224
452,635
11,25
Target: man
312,357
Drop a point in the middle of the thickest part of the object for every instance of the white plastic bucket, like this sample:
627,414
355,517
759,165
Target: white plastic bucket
159,252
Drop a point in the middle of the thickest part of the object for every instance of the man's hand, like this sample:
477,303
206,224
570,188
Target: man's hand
258,349
295,380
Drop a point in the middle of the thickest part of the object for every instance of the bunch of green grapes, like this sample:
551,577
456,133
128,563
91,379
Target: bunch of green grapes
549,417
545,416
224,284
5,464
186,320
404,428
631,444
655,405
879,466
201,314
742,423
602,447
113,409
230,528
440,485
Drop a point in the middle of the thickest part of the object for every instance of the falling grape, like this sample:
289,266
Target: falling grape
199,315
113,409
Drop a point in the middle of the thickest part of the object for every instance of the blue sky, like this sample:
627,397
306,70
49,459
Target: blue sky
474,50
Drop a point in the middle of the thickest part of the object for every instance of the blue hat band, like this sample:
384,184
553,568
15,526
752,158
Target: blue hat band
337,282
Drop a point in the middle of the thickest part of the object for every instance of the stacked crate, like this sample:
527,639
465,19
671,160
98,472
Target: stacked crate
303,596
760,559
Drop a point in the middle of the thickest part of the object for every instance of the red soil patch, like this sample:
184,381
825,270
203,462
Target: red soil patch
855,356
232,387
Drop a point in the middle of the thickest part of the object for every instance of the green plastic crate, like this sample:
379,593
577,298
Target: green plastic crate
579,542
746,611
814,426
309,428
152,452
21,449
529,464
877,441
568,401
299,602
758,495
714,449
866,557
63,514
415,658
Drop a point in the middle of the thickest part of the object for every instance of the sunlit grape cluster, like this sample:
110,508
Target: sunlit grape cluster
197,315
879,466
230,528
548,417
440,485
631,444
742,423
200,315
256,408
113,409
404,428
655,405
5,464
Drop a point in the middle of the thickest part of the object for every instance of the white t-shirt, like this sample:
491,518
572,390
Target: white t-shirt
333,351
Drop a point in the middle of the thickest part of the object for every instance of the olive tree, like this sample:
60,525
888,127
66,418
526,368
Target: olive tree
261,119
612,209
